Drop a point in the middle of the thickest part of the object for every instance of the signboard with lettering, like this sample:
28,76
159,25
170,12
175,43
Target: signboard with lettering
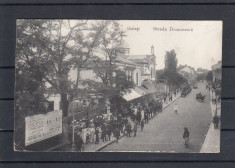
42,126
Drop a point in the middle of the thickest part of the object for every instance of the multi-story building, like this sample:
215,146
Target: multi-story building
146,62
132,70
188,73
217,71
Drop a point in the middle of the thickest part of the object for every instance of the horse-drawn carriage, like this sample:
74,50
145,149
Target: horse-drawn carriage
200,97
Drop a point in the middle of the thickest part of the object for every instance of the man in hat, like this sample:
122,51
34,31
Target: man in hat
186,137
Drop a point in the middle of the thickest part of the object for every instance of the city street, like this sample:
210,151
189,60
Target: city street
164,133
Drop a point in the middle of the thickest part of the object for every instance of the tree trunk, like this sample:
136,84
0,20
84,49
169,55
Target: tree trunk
64,103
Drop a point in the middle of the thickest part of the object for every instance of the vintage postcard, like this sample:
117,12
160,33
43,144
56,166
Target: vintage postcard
118,85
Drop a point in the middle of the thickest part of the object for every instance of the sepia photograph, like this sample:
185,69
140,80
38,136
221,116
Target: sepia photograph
118,86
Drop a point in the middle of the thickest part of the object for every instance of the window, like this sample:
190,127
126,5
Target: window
129,76
137,79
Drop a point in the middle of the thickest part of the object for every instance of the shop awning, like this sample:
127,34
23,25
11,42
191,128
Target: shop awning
150,85
141,90
131,95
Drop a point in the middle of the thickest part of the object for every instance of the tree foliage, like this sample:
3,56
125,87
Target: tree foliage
113,79
170,72
47,50
209,76
171,61
52,48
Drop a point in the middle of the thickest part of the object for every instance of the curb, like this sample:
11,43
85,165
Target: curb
102,147
211,106
109,143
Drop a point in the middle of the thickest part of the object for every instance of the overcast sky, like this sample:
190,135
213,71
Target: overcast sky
201,47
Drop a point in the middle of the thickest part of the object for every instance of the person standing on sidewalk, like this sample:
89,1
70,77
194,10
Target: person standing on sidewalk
103,133
216,121
176,109
97,135
161,106
117,134
135,129
145,117
186,137
109,131
79,142
142,125
128,129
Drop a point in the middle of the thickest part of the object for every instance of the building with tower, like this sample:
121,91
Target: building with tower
147,63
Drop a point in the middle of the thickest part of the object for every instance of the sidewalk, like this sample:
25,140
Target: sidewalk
212,140
97,147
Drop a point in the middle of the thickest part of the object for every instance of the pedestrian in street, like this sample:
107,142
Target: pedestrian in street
142,125
97,135
117,134
70,136
216,121
138,117
135,129
186,137
160,106
128,129
78,142
145,117
103,133
176,109
109,132
92,134
148,112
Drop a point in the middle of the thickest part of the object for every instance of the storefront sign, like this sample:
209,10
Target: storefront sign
42,126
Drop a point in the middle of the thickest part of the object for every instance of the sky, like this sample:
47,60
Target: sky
200,46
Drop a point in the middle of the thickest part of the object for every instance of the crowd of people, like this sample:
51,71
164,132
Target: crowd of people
126,119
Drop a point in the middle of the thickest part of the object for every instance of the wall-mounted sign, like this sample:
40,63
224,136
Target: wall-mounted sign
42,126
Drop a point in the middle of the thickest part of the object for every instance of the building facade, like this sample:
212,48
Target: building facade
147,63
188,73
217,71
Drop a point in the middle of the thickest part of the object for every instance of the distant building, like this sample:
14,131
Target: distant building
217,71
200,71
188,73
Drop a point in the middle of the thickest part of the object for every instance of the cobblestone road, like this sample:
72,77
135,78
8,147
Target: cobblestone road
164,132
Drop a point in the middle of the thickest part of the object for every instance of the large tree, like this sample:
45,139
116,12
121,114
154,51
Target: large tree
170,71
50,48
114,80
171,61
